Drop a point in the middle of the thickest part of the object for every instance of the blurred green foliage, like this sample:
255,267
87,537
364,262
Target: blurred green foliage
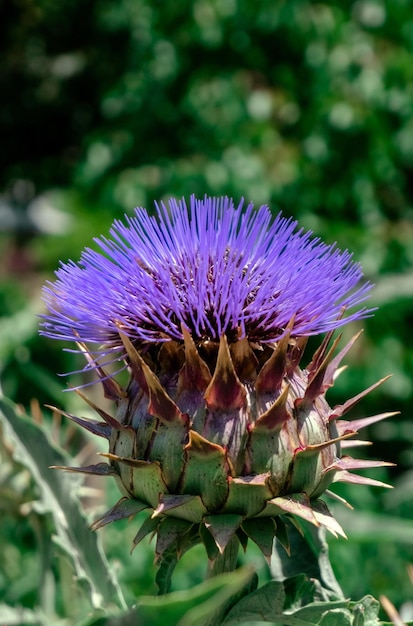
307,106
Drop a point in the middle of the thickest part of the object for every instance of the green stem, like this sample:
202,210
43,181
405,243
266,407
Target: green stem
225,562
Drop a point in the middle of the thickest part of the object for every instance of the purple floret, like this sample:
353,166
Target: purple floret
215,269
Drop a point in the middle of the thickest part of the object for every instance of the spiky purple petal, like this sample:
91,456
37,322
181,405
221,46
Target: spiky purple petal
214,269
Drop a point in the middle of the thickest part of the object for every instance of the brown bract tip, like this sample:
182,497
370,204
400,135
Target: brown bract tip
225,390
160,405
276,415
195,374
273,371
201,446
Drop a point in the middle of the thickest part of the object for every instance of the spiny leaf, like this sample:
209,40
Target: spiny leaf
296,504
209,543
366,612
99,469
317,383
34,449
308,555
347,477
111,421
333,366
282,602
355,426
326,519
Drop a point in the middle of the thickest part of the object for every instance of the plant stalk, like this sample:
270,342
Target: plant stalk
225,562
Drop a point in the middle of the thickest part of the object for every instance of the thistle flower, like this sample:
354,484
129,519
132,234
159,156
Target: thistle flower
220,432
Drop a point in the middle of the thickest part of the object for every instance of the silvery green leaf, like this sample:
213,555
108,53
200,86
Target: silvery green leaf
34,449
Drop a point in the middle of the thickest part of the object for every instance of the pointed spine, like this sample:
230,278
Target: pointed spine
354,426
333,368
319,355
149,526
110,421
348,463
335,496
101,429
317,384
100,469
355,479
355,443
326,519
342,409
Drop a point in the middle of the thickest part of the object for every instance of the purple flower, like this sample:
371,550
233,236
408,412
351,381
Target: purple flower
220,425
215,269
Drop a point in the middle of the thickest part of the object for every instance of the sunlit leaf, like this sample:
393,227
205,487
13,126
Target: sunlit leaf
191,607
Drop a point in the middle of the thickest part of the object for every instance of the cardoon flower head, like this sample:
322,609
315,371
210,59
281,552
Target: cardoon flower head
216,270
220,432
